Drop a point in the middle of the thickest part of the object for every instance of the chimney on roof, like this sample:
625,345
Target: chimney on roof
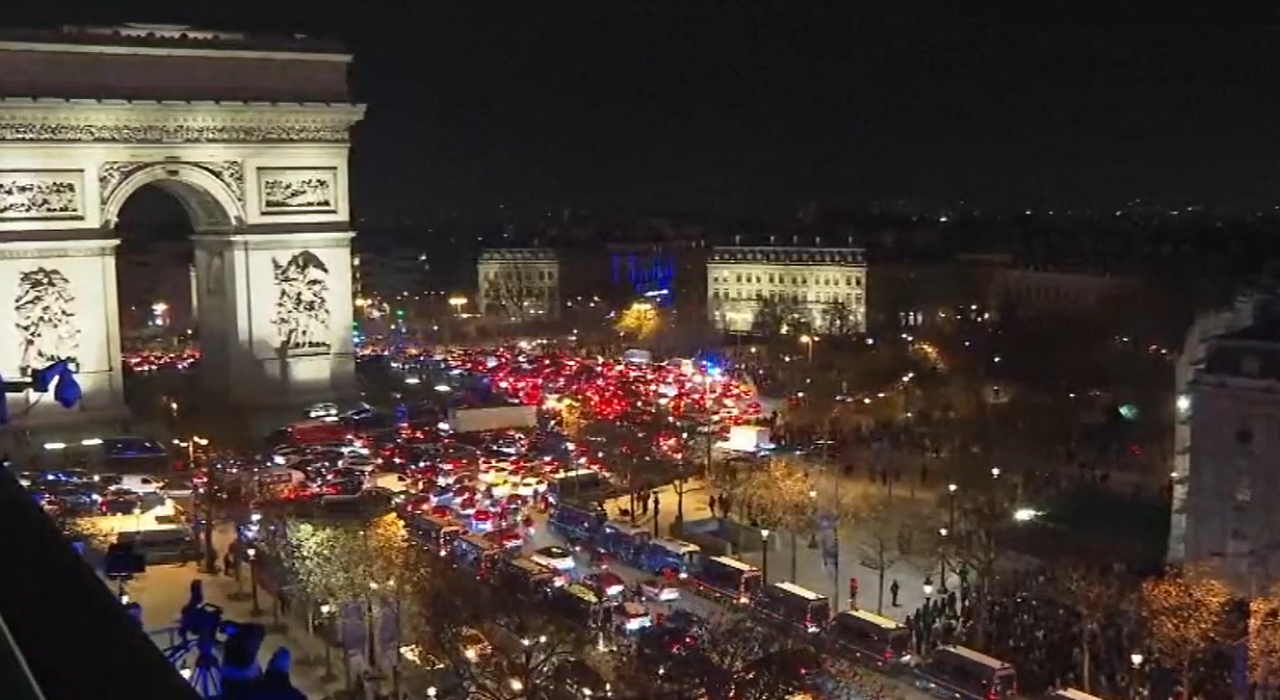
795,239
737,239
817,241
772,239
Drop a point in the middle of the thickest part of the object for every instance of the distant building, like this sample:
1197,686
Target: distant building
824,288
519,284
1029,290
390,273
1229,420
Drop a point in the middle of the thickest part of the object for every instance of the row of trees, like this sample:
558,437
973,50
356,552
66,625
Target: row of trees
443,612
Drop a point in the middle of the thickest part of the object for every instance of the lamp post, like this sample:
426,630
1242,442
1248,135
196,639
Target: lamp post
1135,684
457,301
808,341
206,497
256,611
943,533
764,557
326,611
395,662
371,629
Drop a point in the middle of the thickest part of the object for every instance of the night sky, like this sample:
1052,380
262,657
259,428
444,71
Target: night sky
752,107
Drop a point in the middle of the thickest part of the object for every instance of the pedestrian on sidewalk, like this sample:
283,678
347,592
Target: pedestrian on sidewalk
711,504
894,588
644,506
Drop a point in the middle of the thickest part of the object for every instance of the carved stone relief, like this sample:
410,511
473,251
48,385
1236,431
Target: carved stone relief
176,133
113,173
302,312
48,329
297,190
41,194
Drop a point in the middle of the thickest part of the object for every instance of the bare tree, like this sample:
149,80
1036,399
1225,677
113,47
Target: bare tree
1095,594
498,646
887,531
739,659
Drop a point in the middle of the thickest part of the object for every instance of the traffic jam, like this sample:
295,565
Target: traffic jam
488,477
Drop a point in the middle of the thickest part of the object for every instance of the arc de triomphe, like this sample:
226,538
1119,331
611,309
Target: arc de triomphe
250,136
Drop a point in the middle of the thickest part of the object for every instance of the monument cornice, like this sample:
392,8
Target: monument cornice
137,121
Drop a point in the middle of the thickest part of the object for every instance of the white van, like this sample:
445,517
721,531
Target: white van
141,483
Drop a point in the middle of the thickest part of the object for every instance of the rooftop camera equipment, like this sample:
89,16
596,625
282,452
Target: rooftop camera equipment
121,564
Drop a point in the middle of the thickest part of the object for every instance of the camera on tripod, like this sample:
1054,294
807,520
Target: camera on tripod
122,563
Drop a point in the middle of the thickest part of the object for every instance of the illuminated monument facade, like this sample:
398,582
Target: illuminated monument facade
250,135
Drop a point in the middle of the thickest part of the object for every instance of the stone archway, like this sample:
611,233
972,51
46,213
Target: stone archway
251,139
211,193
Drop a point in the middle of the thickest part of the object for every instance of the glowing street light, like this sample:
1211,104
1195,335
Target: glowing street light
458,302
808,341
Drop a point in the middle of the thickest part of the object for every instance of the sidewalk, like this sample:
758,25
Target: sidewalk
810,570
163,590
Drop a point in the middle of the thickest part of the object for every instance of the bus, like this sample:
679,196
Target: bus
870,637
795,606
726,577
577,521
671,556
435,533
962,673
576,602
478,554
569,484
527,577
623,540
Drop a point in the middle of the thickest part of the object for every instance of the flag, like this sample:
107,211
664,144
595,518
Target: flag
42,379
4,403
67,390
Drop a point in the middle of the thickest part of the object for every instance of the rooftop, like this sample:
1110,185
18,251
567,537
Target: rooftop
168,36
789,254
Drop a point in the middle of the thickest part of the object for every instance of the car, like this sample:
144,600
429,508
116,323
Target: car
632,617
141,483
555,557
660,589
322,410
120,502
178,488
474,644
495,475
606,584
507,538
530,486
482,521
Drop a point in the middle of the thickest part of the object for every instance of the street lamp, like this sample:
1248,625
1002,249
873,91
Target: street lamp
206,497
995,472
764,561
928,587
942,560
370,627
325,611
1135,682
808,341
457,301
256,611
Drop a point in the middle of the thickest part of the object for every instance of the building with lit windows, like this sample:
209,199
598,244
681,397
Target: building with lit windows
519,284
823,288
1233,408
